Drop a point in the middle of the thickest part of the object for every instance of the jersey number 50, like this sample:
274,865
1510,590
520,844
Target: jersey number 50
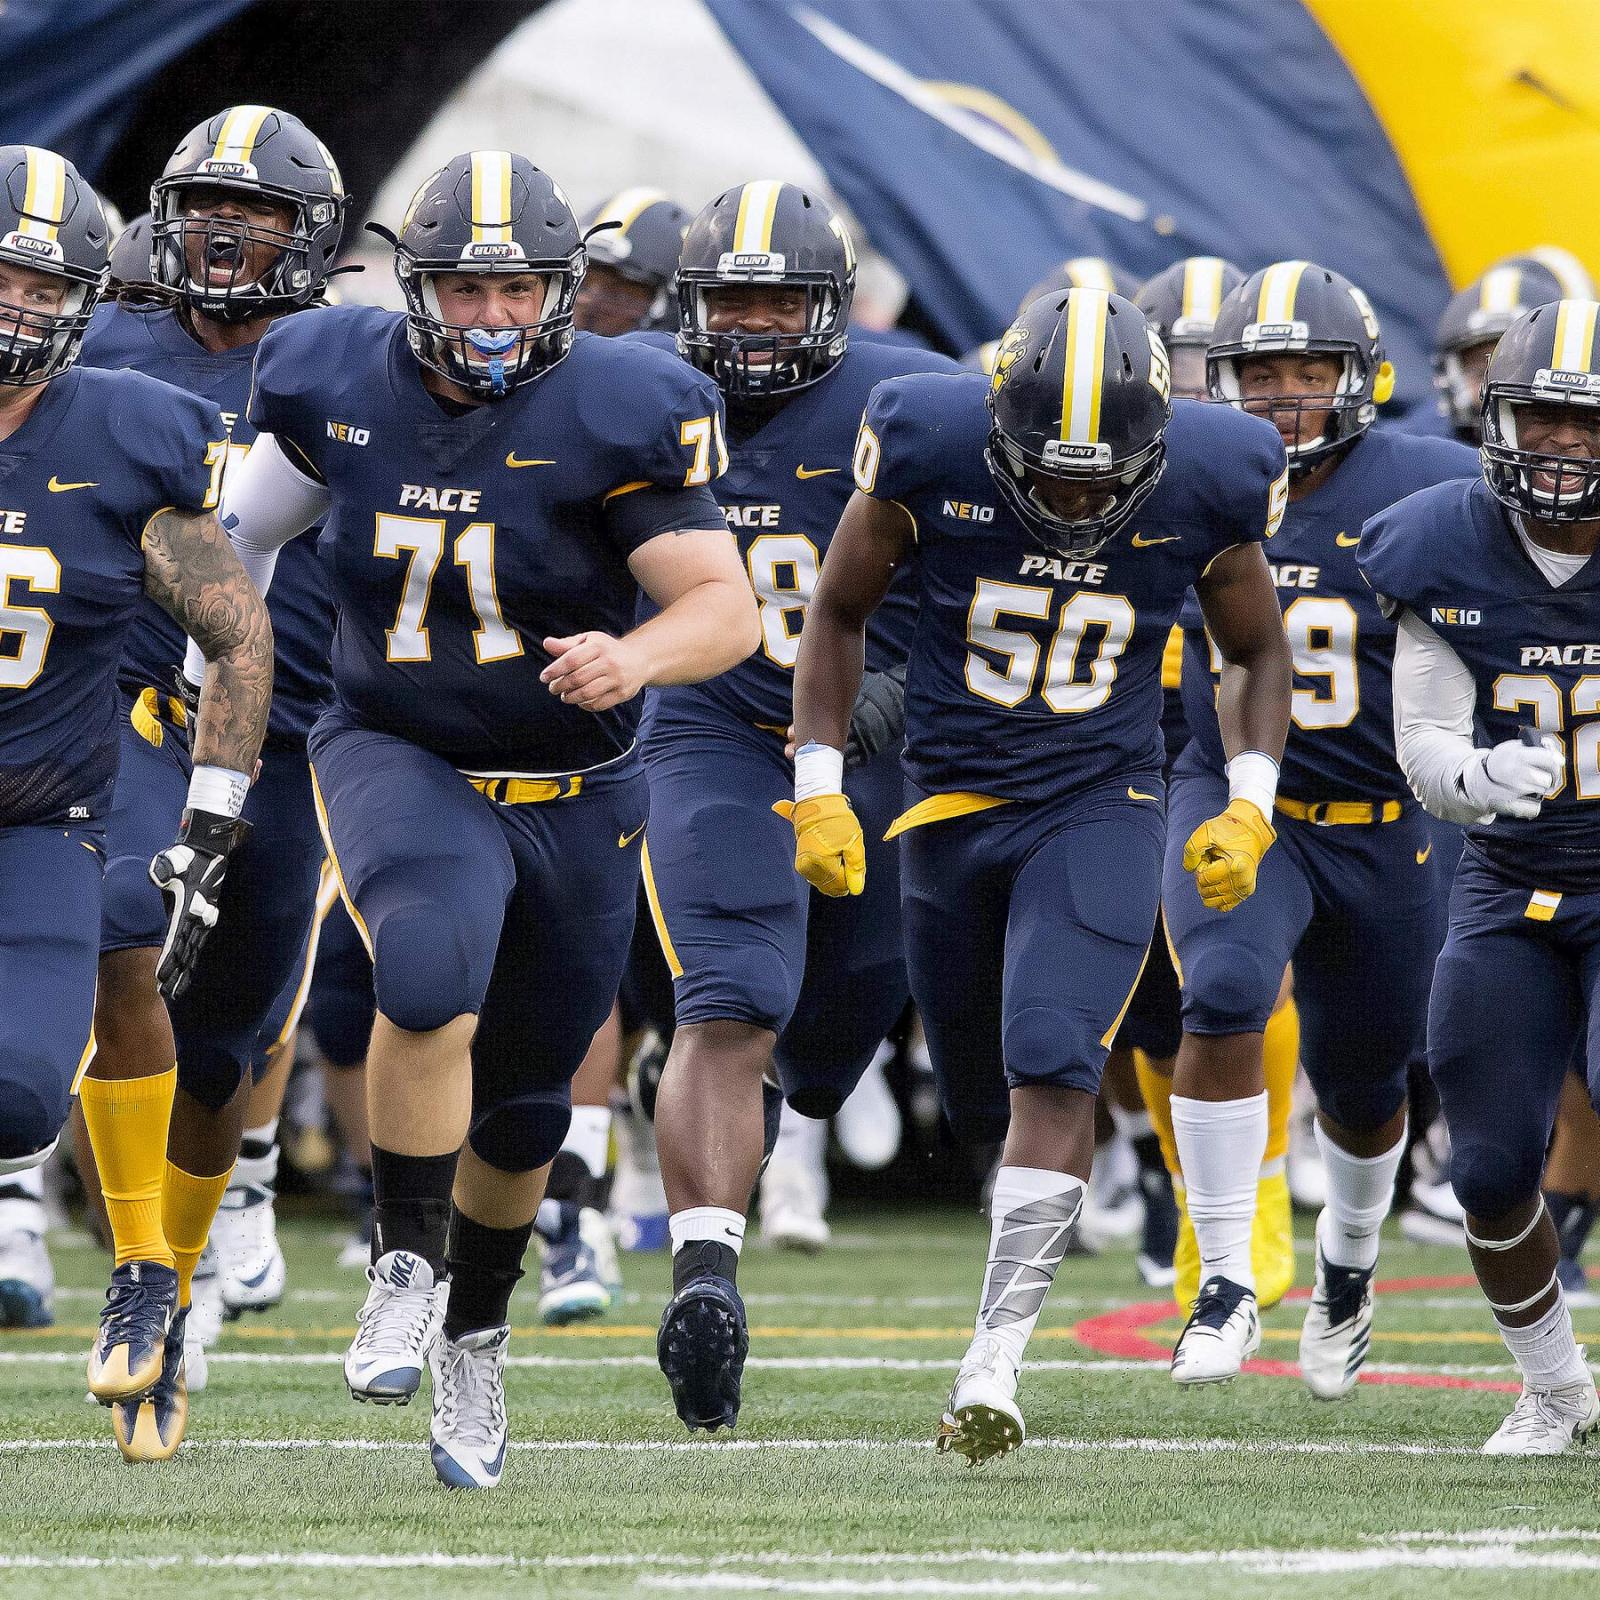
1058,685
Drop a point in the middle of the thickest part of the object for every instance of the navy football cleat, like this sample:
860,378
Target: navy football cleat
151,1427
128,1350
701,1347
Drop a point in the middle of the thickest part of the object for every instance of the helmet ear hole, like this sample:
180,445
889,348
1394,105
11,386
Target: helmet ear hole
1383,383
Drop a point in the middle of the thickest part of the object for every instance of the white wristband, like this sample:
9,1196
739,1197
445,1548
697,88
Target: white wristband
1253,776
218,790
818,769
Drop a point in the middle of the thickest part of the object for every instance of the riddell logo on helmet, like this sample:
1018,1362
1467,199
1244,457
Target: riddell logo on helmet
492,252
1559,378
31,246
750,261
227,169
1059,450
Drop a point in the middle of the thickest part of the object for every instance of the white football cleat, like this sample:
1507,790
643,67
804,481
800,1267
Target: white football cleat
1222,1333
868,1125
982,1419
1338,1328
395,1330
1547,1422
27,1280
1308,1174
204,1325
245,1233
469,1408
792,1201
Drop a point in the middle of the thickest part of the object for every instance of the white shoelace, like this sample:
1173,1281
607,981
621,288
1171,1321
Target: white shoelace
1536,1411
472,1397
396,1324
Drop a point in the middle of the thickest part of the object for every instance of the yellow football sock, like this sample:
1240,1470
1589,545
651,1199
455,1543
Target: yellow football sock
1156,1088
128,1119
1280,1057
188,1205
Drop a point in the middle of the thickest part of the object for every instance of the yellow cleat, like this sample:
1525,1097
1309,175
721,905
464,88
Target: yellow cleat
128,1349
151,1427
1271,1246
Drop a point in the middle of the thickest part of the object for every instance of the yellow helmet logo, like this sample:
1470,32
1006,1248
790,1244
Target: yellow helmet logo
1011,347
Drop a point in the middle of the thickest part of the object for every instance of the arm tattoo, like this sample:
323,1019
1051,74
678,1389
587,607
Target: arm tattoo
191,571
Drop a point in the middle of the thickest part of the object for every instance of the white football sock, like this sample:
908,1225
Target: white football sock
22,1201
259,1170
589,1138
1547,1351
716,1223
1220,1147
1360,1189
801,1139
1032,1213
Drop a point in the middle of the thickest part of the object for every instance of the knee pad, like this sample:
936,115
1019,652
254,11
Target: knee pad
1489,1178
1362,1107
133,912
33,1106
977,1113
212,1072
1052,1046
524,1131
750,982
420,972
1227,989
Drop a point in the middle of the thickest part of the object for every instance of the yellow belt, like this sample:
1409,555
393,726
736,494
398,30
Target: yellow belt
527,791
146,715
1337,813
940,807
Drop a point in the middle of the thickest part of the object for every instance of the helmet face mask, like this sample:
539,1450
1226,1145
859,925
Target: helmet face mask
54,244
775,236
235,268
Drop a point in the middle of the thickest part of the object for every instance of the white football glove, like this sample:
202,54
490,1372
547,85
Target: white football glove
1514,778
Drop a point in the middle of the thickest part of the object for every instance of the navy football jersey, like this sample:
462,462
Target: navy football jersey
1341,726
98,456
458,544
153,340
1034,674
1450,556
786,487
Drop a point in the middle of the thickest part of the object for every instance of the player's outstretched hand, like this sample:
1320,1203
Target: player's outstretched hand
1514,778
189,874
593,671
1224,853
829,850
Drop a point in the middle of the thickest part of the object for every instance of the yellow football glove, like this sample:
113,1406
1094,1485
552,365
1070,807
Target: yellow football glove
1223,854
829,851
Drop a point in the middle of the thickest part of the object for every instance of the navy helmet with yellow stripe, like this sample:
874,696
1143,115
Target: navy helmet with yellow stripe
51,223
1547,357
1082,272
1181,303
1080,402
637,234
1299,308
489,211
1472,324
767,233
214,260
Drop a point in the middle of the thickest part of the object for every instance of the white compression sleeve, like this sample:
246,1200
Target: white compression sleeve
1434,696
266,502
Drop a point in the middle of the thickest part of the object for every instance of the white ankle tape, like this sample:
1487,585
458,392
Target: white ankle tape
1507,1244
1524,1305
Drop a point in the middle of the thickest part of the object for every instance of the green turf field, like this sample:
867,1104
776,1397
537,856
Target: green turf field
1127,1487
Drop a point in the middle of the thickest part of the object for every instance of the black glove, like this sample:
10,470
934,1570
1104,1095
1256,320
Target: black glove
879,717
189,694
190,873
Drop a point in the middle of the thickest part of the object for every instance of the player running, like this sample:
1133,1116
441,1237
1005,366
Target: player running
109,483
1054,519
764,285
1348,894
497,491
1498,602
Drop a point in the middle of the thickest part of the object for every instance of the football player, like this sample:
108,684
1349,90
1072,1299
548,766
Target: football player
1053,533
764,290
247,217
1181,304
633,241
1348,894
110,480
476,777
1495,588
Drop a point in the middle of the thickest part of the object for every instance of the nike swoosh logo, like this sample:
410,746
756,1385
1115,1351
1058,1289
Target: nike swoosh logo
624,840
56,486
1422,855
802,473
512,461
1134,794
1345,542
1139,541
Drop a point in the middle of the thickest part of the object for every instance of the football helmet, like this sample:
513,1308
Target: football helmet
51,221
271,156
1577,282
489,211
1082,272
1181,304
638,234
766,233
1477,316
130,254
1546,357
1079,397
1294,308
